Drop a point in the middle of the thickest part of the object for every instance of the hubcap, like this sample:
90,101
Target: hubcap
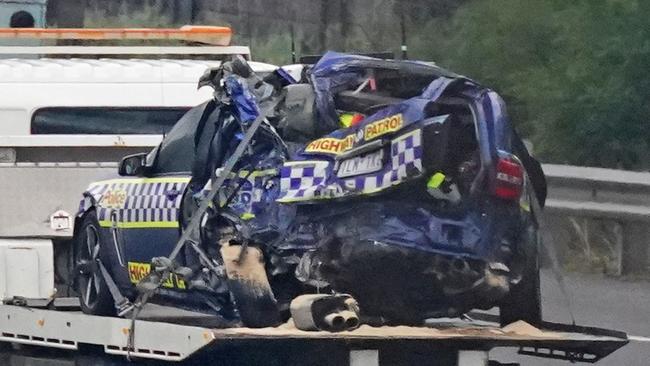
86,267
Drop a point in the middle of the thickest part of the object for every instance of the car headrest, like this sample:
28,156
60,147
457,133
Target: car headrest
300,122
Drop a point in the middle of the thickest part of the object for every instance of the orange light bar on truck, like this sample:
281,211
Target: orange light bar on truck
219,36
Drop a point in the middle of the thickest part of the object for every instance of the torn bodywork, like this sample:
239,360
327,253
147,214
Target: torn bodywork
397,182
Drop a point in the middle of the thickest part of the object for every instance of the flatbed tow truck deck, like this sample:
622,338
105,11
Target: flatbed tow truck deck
460,343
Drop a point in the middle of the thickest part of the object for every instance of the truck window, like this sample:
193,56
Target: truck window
105,120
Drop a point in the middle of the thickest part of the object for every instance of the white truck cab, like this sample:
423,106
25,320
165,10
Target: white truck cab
101,96
54,96
69,113
106,90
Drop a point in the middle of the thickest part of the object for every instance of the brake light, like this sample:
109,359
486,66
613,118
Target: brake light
509,179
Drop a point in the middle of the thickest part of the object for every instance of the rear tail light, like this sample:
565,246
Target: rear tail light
510,178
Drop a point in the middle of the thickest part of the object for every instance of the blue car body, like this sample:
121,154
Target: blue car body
385,205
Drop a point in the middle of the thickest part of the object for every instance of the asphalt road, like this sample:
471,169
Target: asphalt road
601,302
596,301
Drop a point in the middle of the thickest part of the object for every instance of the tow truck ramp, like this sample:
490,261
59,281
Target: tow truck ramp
467,344
68,330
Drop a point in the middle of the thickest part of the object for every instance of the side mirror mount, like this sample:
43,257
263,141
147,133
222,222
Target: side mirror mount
133,165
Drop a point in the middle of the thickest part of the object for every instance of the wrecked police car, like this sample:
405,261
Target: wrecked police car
397,182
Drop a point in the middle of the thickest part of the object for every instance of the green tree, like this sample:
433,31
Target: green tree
573,73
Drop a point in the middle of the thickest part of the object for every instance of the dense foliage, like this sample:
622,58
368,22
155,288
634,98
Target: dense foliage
574,73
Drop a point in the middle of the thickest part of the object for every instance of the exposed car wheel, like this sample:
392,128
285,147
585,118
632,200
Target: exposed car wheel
250,288
524,302
94,296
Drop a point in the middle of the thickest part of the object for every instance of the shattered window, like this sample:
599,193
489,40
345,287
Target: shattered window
105,121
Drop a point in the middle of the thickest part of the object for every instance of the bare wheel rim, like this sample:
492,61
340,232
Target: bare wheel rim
87,257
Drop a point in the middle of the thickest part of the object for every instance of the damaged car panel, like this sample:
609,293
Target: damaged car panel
397,182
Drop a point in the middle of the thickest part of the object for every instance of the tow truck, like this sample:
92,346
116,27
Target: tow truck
39,310
164,335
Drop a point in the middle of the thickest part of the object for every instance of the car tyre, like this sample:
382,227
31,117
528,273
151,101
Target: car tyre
94,296
524,301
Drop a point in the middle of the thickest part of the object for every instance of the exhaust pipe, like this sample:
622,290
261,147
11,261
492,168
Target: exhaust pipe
350,319
331,313
335,321
459,264
343,320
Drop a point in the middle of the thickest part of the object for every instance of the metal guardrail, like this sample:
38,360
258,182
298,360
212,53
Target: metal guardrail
68,162
598,192
603,205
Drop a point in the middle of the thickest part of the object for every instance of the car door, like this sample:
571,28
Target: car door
138,217
147,226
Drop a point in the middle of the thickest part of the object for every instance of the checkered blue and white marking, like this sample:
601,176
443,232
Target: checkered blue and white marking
406,161
250,197
146,201
311,180
304,179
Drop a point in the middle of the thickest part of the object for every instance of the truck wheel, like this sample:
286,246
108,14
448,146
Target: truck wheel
249,286
524,302
94,296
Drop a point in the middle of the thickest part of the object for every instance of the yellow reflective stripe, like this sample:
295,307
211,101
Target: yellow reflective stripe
436,180
300,163
303,199
346,120
258,173
140,225
247,216
144,180
138,271
254,174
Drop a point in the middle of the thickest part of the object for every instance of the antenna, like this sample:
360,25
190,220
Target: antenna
293,44
404,45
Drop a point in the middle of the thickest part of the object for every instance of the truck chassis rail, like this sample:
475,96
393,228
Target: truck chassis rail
175,342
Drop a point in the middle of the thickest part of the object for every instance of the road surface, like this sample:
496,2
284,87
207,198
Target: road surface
597,301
